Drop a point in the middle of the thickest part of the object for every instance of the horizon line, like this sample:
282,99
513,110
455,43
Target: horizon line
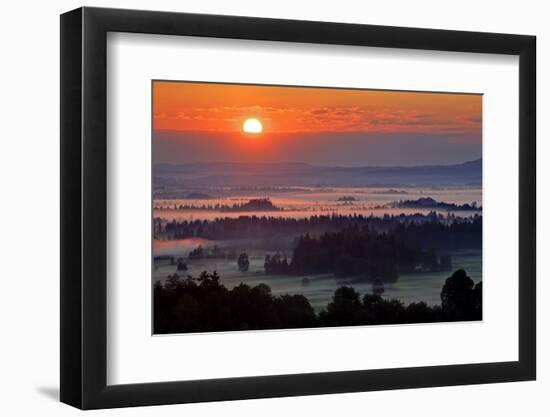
314,165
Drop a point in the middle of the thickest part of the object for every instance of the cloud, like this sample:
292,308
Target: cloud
360,118
182,116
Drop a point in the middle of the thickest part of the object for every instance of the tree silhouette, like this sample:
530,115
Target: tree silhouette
381,311
345,308
197,253
243,262
458,297
182,266
294,311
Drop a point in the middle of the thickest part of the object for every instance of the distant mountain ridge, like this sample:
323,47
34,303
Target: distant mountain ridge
235,174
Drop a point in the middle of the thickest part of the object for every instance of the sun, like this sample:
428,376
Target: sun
252,126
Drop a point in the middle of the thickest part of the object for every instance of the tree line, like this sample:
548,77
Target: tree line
428,202
255,204
203,304
441,231
366,255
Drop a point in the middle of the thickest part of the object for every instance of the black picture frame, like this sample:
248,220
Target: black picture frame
84,207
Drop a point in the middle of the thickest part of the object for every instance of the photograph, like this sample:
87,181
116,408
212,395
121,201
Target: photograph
284,207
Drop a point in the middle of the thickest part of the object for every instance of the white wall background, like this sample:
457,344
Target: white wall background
29,210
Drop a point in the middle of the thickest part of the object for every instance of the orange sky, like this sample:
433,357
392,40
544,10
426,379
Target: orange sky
183,106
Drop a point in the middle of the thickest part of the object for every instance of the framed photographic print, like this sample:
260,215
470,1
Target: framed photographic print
258,207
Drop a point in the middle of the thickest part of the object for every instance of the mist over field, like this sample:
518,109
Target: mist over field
208,215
